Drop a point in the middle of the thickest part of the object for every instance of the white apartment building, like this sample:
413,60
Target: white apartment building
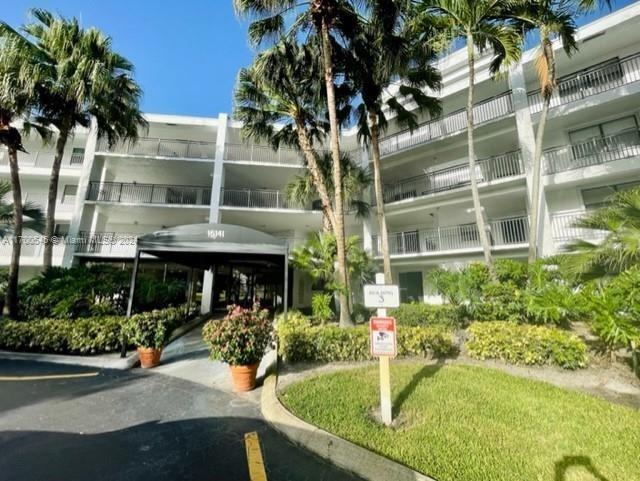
189,170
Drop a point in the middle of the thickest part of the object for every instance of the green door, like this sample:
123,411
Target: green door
411,289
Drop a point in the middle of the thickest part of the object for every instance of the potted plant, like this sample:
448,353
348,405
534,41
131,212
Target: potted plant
149,332
240,340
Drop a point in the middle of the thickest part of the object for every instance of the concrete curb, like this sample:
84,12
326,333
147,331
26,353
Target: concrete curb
340,452
105,361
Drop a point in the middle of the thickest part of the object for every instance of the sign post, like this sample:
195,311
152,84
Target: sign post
382,331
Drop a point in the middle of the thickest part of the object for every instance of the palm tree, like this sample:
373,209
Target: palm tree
482,25
618,223
325,18
355,180
77,76
552,19
383,52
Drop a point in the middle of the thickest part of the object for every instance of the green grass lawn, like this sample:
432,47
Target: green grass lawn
464,423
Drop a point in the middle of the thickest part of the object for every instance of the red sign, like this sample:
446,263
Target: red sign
382,334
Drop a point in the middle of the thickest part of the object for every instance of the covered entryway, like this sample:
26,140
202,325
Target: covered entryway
241,265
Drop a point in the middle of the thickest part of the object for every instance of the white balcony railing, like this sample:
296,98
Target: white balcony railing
487,170
564,229
591,81
43,159
135,193
258,198
595,151
154,147
261,154
453,123
504,232
109,244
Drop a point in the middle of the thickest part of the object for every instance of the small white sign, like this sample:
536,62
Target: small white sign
381,296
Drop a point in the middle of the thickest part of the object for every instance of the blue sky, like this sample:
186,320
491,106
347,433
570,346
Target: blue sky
187,53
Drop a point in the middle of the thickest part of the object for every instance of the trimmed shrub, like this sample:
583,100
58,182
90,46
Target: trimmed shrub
91,335
524,344
421,314
299,340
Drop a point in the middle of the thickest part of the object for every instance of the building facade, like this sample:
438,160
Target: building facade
187,170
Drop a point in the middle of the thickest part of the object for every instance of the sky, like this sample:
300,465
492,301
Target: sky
187,53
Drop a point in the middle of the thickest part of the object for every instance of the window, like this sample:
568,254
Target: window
77,156
411,289
61,230
69,194
612,136
597,196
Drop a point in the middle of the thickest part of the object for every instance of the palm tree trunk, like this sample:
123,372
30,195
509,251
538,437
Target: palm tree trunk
477,207
338,227
377,183
547,92
11,300
316,174
50,223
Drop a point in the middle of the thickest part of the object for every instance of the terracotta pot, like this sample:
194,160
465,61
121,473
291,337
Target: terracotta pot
149,357
244,377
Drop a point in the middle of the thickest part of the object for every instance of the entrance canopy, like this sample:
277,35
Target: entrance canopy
202,245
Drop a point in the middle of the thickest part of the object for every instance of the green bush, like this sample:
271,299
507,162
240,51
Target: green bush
241,338
523,344
90,335
321,307
299,340
421,314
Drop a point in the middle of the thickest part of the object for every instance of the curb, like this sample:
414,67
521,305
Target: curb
108,361
340,452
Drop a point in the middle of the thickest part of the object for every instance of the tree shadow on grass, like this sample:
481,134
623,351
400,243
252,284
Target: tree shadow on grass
425,372
568,462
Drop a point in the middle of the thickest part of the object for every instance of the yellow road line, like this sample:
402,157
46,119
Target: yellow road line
254,457
49,377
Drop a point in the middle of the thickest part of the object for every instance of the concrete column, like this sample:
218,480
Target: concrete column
527,142
81,194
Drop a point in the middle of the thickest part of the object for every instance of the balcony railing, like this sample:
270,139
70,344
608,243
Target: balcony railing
152,147
115,244
487,170
135,193
595,151
261,154
257,198
453,123
594,80
564,230
504,232
43,159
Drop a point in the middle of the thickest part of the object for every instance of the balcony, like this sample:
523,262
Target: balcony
44,160
261,154
563,228
153,147
591,81
486,111
258,199
108,244
512,231
487,170
595,151
134,193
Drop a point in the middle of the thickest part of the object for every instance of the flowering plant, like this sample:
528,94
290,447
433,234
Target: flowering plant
241,338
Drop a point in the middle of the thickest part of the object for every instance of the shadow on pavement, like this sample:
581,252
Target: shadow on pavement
196,449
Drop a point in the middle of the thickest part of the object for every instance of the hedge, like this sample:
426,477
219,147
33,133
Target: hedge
91,335
526,344
299,340
421,314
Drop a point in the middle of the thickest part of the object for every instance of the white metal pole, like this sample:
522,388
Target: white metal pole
385,374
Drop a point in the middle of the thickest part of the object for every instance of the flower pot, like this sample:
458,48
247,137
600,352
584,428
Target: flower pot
149,357
244,377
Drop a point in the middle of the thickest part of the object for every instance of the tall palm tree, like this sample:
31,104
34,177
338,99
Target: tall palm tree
355,180
77,76
551,19
482,25
324,18
384,53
